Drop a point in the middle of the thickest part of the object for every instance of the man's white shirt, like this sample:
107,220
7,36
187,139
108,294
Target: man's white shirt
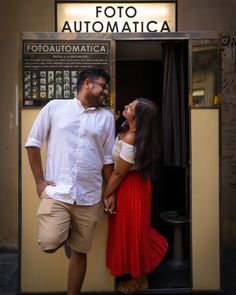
79,144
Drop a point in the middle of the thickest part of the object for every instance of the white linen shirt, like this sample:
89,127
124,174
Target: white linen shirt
79,144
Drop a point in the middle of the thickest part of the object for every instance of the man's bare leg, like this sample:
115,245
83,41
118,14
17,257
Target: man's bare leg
76,273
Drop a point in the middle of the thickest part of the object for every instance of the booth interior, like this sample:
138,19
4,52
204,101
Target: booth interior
144,68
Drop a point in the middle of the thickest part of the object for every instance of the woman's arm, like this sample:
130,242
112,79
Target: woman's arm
117,176
121,169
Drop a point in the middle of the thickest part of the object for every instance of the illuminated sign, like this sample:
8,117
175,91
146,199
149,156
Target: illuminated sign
115,17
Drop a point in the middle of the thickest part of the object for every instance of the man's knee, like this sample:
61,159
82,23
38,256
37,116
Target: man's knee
50,243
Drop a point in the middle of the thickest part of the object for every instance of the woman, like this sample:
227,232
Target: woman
133,246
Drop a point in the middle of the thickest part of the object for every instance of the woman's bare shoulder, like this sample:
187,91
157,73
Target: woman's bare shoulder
129,138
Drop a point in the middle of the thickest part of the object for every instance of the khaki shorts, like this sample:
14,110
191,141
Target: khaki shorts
60,222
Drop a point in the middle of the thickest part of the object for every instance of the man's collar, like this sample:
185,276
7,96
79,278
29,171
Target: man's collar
86,108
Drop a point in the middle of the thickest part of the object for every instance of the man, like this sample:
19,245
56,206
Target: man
80,136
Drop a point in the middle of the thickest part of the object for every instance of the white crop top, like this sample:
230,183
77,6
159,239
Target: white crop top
123,150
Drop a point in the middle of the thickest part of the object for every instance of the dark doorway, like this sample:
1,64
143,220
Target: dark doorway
139,73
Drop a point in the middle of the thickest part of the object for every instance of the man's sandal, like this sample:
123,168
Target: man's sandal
131,286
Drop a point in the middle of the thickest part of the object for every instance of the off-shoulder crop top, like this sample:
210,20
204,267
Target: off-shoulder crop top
123,150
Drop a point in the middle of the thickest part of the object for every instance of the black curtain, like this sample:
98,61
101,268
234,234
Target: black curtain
175,103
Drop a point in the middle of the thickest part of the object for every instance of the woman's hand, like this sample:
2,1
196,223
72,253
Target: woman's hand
110,204
117,115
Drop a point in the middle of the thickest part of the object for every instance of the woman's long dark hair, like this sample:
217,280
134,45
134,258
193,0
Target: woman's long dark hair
147,136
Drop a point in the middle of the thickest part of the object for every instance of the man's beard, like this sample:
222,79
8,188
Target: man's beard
94,101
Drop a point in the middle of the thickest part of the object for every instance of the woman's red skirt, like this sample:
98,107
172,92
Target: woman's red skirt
133,246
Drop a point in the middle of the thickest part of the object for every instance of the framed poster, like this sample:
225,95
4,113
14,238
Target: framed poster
51,67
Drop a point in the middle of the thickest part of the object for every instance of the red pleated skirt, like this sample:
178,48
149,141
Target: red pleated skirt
133,246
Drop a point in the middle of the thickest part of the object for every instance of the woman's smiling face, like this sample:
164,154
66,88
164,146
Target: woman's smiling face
129,111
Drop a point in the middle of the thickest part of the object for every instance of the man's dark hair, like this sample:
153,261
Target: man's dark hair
92,73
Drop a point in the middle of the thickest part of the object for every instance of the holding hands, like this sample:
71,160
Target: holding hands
109,204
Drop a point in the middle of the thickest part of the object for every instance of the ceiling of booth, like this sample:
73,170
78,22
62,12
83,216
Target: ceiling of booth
138,50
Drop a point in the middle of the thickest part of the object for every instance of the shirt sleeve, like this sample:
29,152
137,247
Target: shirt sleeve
127,152
109,143
39,131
